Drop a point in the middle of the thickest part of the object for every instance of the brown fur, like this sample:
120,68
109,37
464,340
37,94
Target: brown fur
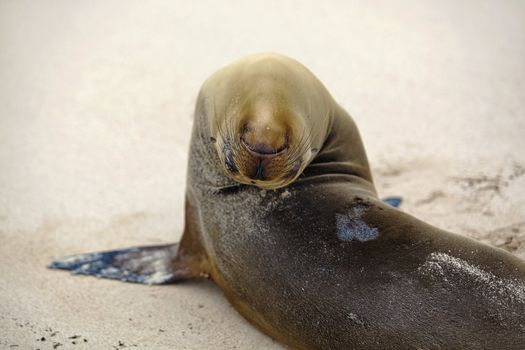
323,263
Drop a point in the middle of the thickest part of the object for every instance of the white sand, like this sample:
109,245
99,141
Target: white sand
96,100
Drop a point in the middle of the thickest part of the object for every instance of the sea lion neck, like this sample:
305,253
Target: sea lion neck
342,152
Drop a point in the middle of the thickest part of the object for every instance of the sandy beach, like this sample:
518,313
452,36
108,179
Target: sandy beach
96,102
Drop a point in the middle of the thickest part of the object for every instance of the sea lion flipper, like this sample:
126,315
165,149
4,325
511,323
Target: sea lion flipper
160,264
148,265
393,201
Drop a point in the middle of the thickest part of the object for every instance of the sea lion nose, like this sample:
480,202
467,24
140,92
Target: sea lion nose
265,140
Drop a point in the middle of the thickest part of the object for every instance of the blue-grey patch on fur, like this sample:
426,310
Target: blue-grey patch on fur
351,227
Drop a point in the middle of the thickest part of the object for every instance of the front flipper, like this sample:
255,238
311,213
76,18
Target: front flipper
148,265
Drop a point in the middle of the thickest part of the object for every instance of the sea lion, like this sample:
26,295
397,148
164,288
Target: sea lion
308,253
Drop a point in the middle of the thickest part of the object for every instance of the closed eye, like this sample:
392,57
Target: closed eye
230,165
228,158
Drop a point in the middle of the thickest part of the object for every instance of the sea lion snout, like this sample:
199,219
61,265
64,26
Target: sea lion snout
263,147
258,163
264,140
264,151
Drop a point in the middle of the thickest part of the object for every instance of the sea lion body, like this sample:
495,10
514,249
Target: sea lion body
322,263
328,269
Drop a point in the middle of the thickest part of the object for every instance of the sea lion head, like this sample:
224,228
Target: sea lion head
264,144
268,116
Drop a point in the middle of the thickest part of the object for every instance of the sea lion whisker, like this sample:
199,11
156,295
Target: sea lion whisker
296,147
299,148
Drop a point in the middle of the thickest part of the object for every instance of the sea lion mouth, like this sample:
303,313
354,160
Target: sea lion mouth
264,150
261,168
